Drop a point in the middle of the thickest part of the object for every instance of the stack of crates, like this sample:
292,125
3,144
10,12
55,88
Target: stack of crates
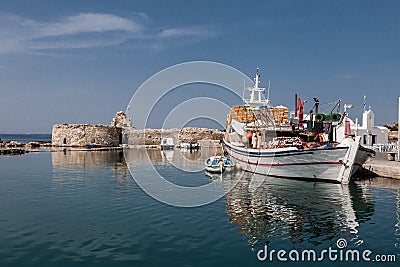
281,114
242,114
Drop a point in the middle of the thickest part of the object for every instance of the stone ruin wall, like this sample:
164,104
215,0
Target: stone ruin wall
80,135
185,135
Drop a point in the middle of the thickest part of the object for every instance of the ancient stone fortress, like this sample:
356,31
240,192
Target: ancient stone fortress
79,135
121,132
83,134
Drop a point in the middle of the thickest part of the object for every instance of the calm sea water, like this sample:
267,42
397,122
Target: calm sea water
26,138
76,208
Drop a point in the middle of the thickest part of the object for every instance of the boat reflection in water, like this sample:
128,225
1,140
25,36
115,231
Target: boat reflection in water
190,161
278,212
289,214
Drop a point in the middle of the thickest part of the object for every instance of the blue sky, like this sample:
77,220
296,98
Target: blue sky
81,61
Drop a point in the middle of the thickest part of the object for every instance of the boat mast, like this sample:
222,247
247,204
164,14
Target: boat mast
255,95
255,87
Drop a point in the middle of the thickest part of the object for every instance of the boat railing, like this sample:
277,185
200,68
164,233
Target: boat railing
385,148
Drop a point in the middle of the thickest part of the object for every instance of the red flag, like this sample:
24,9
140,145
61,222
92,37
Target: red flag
300,109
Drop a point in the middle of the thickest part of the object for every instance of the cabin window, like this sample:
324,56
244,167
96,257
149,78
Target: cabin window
364,139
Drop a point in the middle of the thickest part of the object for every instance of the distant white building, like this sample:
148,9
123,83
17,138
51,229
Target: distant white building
370,134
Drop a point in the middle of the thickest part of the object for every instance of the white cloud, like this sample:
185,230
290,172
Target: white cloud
86,23
196,31
85,30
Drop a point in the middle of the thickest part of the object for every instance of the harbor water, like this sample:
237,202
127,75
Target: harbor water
26,138
80,208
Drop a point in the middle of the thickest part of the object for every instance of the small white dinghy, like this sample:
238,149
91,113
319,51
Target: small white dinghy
219,164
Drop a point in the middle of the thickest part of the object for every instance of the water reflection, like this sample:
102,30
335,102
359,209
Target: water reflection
287,213
392,185
85,159
77,166
192,161
177,179
298,214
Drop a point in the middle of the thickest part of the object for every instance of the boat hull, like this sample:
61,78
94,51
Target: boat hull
167,147
320,164
217,169
363,155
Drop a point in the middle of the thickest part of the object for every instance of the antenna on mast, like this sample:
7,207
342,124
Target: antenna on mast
244,88
364,102
257,93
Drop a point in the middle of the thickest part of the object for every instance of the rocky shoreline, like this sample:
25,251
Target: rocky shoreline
18,148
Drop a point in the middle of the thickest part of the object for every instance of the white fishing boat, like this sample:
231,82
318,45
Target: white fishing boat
218,164
167,143
261,139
